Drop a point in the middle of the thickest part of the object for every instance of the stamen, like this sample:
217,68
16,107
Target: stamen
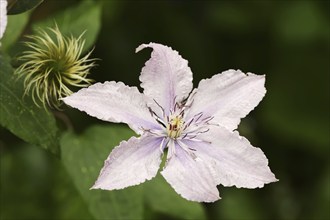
156,117
163,111
184,136
151,112
174,102
207,119
161,146
199,115
171,149
181,113
192,137
175,126
188,124
160,122
154,132
187,103
188,150
184,101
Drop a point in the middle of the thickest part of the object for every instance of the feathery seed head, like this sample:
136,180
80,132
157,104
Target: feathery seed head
52,66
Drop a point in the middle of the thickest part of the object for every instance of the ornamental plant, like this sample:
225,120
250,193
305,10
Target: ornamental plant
196,127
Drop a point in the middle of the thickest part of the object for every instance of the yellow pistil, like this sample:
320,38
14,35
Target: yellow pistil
175,126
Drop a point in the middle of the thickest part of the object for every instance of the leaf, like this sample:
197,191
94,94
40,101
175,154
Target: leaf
29,177
15,26
160,197
21,116
83,157
85,17
20,6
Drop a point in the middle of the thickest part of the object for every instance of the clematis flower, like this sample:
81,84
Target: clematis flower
197,128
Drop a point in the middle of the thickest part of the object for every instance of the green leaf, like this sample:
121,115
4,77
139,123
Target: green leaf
161,198
20,115
29,177
83,156
15,26
85,17
20,6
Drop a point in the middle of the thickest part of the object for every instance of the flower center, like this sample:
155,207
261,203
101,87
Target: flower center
175,126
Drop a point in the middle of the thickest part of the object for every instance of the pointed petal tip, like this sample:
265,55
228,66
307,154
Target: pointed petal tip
67,100
206,200
151,44
274,180
64,99
142,46
93,187
98,185
262,185
213,199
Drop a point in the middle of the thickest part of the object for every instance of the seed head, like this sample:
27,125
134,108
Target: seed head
52,66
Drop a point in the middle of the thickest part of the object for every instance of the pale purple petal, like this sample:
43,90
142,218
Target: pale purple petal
166,76
3,17
235,160
228,97
190,177
131,163
114,102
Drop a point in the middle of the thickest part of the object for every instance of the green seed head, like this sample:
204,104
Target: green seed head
52,67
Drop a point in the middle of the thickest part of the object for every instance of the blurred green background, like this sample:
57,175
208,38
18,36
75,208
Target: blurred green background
289,41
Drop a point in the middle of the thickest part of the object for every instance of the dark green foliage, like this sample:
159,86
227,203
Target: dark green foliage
21,116
20,6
